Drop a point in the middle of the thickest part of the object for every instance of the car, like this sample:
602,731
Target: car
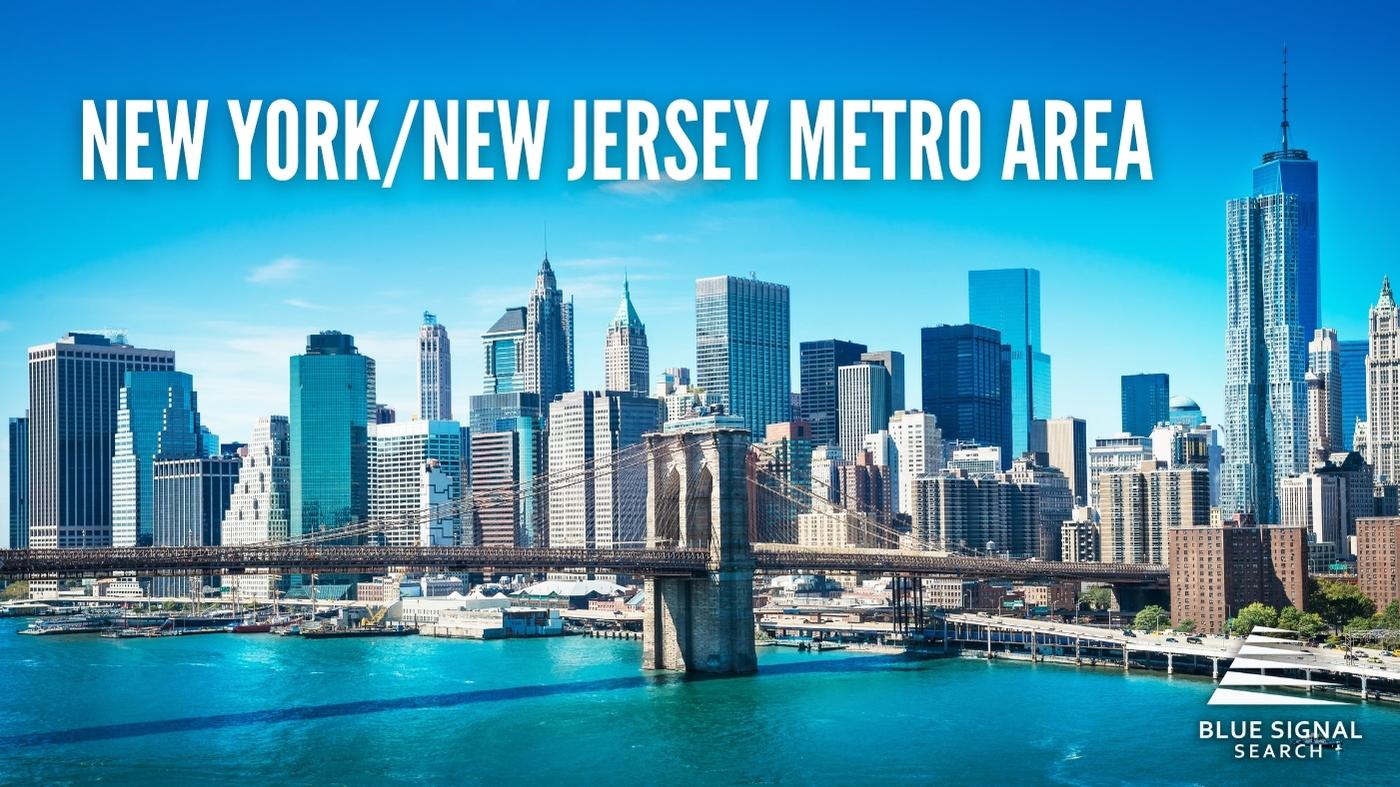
1171,639
1128,633
1374,660
1194,640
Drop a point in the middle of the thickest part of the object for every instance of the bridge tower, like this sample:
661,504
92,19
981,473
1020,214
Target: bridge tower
697,497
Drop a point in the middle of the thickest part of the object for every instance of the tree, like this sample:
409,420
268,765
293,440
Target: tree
1099,597
1256,614
1187,626
1308,624
1151,618
1340,603
15,591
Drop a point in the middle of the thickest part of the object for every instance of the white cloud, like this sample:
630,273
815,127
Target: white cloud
281,269
298,303
663,190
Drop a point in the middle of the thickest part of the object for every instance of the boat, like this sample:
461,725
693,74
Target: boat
74,624
253,627
335,632
1326,743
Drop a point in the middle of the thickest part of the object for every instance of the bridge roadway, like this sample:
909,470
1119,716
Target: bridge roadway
320,558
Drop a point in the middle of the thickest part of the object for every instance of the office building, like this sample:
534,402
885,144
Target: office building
495,475
956,510
607,507
1273,304
332,399
188,500
864,487
1184,411
742,349
1121,454
893,362
1176,445
384,414
1137,508
1008,301
259,508
549,338
1383,389
157,418
522,459
1328,500
917,446
406,460
1219,570
19,482
1324,384
966,372
863,392
1378,559
825,484
1146,400
1065,444
434,371
975,459
626,360
503,347
1351,355
74,392
819,361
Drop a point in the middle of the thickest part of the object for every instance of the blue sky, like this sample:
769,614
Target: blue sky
232,275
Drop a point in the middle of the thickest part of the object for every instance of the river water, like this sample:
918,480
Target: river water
210,709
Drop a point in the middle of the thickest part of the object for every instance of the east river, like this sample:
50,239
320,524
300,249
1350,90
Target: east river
261,709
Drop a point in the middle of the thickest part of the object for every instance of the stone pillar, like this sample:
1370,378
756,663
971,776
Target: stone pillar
697,491
1214,668
1125,657
1169,662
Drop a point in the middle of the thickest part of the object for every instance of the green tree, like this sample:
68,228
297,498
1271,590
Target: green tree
1100,597
15,591
1256,614
1187,626
1151,618
1340,603
1309,624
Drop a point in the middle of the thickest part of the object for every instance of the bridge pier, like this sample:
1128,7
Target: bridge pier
697,495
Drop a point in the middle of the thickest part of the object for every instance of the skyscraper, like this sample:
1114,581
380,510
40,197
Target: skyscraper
742,349
1352,357
1383,389
863,393
188,499
1146,402
503,347
509,430
434,371
918,450
398,456
258,509
1008,301
1272,306
819,361
1065,443
966,373
332,398
1324,382
893,361
1138,507
549,338
157,418
626,359
19,482
74,388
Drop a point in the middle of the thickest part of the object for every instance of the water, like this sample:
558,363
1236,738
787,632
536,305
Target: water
210,709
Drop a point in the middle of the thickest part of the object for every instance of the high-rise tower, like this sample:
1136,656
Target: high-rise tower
742,348
1008,301
1383,389
332,399
434,371
549,338
625,355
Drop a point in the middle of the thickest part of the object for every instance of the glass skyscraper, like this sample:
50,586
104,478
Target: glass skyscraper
157,418
503,347
1272,297
332,399
510,429
19,482
1008,301
1146,402
1353,365
819,361
966,372
743,349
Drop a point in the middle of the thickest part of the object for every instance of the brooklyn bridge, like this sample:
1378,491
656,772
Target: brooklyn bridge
695,513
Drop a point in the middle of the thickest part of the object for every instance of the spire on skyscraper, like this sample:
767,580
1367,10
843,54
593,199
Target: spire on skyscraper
1387,300
1284,124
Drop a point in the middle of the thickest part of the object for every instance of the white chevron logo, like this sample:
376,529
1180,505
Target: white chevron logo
1249,679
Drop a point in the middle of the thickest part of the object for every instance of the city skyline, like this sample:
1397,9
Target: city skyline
280,262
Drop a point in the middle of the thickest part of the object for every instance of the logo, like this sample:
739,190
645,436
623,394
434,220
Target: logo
1257,668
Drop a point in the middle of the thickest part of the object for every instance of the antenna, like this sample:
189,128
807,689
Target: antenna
1284,124
546,223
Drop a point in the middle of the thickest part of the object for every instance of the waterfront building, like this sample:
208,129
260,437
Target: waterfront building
1218,571
1324,383
503,348
626,360
742,349
1183,410
19,482
1351,356
917,447
818,363
157,418
863,392
1146,402
1378,559
1008,301
549,338
434,371
976,459
1272,308
966,372
259,506
1177,445
407,461
188,499
607,508
1079,537
893,362
332,400
74,391
1124,453
1383,389
1139,507
1065,444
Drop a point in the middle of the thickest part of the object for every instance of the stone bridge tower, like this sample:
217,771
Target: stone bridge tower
697,497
